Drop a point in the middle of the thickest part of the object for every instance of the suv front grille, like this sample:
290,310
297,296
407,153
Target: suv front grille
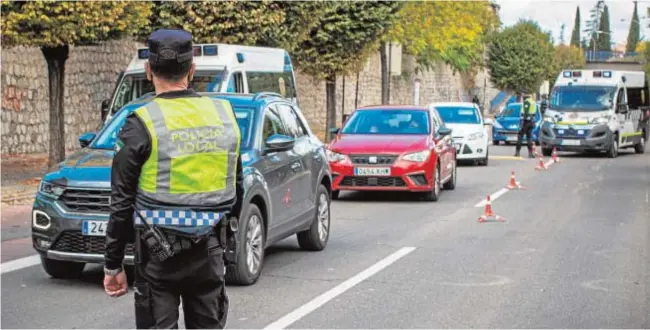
85,200
365,159
373,181
75,242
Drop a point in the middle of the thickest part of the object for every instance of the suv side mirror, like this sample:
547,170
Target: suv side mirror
278,142
104,109
444,131
86,138
621,108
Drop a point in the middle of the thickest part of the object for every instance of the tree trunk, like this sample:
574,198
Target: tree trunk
356,93
56,58
330,88
385,78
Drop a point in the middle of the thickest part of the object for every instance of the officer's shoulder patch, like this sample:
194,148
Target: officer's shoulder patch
119,145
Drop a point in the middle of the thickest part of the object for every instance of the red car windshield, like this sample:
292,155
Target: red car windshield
389,122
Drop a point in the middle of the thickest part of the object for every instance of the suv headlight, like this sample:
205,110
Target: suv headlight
334,156
419,157
600,120
50,189
475,136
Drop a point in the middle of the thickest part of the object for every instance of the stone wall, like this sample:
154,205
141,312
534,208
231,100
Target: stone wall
91,73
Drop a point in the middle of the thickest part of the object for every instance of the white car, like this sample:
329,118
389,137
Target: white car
468,131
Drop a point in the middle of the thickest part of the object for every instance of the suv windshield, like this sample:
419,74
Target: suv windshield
388,122
582,98
134,86
107,136
459,114
512,110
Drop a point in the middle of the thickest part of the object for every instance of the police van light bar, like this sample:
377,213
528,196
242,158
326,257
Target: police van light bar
598,74
240,57
197,50
607,74
210,50
577,74
566,74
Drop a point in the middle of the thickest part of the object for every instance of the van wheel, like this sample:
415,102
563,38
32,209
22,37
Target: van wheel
612,152
250,249
62,269
315,238
639,148
496,143
547,152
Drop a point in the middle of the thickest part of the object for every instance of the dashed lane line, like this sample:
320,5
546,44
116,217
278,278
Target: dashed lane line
321,300
18,264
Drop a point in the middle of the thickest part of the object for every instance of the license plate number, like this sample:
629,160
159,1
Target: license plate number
570,142
94,228
372,171
511,138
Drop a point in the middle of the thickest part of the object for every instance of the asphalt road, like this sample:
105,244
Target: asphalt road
574,252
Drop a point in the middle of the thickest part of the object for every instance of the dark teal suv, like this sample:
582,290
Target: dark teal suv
287,183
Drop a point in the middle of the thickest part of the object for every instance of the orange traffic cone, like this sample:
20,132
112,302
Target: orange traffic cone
554,155
488,214
513,183
541,165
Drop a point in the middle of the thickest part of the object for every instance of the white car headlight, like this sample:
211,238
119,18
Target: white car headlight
549,119
334,156
50,189
419,157
475,136
600,120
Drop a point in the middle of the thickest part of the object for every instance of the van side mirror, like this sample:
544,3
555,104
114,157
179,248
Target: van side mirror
86,138
104,109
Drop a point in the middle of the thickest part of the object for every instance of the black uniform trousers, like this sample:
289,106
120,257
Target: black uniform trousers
526,129
195,275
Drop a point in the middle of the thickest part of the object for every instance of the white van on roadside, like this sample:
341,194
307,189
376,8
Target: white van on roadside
220,68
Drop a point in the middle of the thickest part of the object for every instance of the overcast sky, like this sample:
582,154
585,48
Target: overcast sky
551,14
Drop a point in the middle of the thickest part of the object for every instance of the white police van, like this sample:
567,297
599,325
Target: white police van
219,68
597,111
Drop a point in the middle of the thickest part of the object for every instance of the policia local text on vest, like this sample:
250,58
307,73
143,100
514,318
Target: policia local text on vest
528,113
177,186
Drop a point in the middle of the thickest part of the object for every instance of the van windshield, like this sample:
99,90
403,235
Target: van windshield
133,86
582,98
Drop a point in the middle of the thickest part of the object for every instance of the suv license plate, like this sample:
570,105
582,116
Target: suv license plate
94,228
372,171
570,142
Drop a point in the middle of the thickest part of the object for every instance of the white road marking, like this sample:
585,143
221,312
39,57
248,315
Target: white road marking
321,300
21,263
494,196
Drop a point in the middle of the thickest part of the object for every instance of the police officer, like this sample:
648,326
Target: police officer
528,110
176,178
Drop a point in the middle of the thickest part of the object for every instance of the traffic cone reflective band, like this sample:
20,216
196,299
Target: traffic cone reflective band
513,184
554,155
488,214
541,165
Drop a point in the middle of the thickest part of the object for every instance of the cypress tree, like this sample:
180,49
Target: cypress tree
604,37
575,34
633,35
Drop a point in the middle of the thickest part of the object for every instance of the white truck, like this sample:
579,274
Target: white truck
597,111
220,68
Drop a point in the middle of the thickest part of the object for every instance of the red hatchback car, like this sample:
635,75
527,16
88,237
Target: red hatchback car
391,147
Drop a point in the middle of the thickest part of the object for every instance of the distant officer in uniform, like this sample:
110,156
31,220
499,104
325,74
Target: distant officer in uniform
176,180
528,110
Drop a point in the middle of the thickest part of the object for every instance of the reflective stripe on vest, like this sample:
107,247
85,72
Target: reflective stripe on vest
179,218
194,147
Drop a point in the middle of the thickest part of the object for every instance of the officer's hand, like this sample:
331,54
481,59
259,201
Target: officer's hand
115,286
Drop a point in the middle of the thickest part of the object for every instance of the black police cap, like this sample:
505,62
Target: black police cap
170,46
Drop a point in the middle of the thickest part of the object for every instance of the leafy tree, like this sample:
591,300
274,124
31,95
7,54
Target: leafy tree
453,32
575,34
593,23
344,37
633,35
644,49
604,36
566,57
54,27
562,27
520,57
